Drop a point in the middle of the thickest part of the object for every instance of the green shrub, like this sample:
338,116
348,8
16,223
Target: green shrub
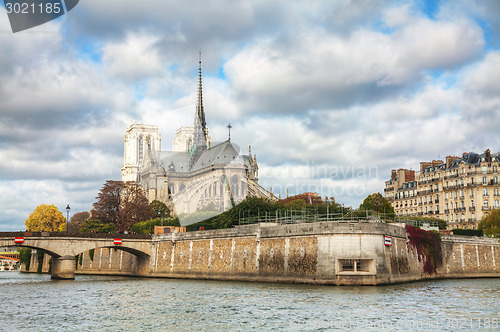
468,232
95,226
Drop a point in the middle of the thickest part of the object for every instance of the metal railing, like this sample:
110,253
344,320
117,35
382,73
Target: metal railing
310,216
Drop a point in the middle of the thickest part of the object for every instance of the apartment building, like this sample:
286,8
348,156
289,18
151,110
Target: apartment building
460,190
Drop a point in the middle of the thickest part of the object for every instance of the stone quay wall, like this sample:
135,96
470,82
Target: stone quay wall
331,253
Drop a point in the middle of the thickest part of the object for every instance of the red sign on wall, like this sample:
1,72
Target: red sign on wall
387,240
117,241
19,240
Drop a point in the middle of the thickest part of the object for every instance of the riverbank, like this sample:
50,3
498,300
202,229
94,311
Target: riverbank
327,253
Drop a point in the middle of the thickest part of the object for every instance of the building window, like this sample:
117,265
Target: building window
496,191
484,170
495,169
485,204
495,180
496,203
355,265
484,180
463,217
463,170
485,191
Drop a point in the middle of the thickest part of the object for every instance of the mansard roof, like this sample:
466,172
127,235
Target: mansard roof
470,158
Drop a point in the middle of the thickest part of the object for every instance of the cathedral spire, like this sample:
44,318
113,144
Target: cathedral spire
200,137
200,112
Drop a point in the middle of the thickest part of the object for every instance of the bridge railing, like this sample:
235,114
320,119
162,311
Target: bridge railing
80,235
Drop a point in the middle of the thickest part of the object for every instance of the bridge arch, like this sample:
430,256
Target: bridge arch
64,249
143,258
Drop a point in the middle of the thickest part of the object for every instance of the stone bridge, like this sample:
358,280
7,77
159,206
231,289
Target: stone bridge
64,247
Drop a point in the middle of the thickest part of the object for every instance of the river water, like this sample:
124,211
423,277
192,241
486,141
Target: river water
34,302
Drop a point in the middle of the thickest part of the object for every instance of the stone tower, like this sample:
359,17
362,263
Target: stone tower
139,139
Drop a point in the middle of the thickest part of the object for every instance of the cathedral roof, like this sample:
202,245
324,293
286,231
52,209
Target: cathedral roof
174,162
222,153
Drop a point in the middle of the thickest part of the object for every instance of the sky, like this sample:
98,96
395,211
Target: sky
331,95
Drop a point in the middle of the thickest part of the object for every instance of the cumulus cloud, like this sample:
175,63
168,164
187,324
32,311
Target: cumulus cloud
317,69
134,58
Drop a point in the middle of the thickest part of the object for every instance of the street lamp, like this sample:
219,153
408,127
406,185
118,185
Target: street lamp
67,217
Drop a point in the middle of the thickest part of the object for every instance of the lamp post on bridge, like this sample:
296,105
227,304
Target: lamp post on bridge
67,218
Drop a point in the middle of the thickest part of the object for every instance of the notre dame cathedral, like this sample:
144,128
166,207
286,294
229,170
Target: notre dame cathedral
196,180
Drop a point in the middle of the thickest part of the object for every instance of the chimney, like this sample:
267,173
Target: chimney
450,159
409,176
423,165
487,155
436,162
393,174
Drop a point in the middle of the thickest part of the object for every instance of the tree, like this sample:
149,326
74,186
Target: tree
122,204
75,222
377,203
45,218
160,209
249,207
490,224
134,207
307,198
297,204
107,206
